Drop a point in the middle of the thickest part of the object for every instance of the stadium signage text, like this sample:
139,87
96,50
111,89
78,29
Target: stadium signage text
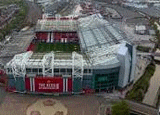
48,86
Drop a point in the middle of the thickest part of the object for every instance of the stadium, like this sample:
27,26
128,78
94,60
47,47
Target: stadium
73,55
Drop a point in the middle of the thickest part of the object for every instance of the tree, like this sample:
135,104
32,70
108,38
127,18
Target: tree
121,108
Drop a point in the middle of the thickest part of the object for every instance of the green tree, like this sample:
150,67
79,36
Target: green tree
121,108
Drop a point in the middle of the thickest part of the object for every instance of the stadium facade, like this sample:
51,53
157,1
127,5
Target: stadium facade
106,58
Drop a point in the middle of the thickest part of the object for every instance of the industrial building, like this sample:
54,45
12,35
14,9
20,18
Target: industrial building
105,60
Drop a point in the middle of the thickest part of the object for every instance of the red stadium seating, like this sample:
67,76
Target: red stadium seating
57,36
70,36
42,36
31,47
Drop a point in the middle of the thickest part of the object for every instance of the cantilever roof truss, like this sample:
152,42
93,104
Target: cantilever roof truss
56,25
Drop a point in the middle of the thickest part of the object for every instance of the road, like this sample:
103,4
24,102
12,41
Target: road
130,16
126,13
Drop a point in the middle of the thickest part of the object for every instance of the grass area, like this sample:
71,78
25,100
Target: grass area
121,108
47,47
6,2
143,48
141,86
18,22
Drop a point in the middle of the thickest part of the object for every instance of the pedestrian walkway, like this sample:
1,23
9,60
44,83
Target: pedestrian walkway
151,95
25,104
47,107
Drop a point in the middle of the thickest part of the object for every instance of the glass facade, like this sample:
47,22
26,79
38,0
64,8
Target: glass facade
77,85
106,81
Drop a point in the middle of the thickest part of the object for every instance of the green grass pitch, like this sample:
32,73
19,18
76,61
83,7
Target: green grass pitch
48,47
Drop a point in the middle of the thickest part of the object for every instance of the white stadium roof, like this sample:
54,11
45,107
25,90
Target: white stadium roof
100,43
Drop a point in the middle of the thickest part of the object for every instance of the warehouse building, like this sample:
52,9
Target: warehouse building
105,60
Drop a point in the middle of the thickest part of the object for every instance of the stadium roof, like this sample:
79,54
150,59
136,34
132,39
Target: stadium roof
100,40
56,25
100,44
95,32
38,60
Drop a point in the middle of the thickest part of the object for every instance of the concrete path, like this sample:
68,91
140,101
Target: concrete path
151,95
47,107
22,104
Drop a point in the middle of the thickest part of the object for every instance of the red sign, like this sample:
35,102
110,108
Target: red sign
27,84
69,84
47,84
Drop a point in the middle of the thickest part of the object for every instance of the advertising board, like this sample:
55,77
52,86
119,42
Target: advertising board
48,84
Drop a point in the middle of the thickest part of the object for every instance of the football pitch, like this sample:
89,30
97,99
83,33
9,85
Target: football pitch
48,47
